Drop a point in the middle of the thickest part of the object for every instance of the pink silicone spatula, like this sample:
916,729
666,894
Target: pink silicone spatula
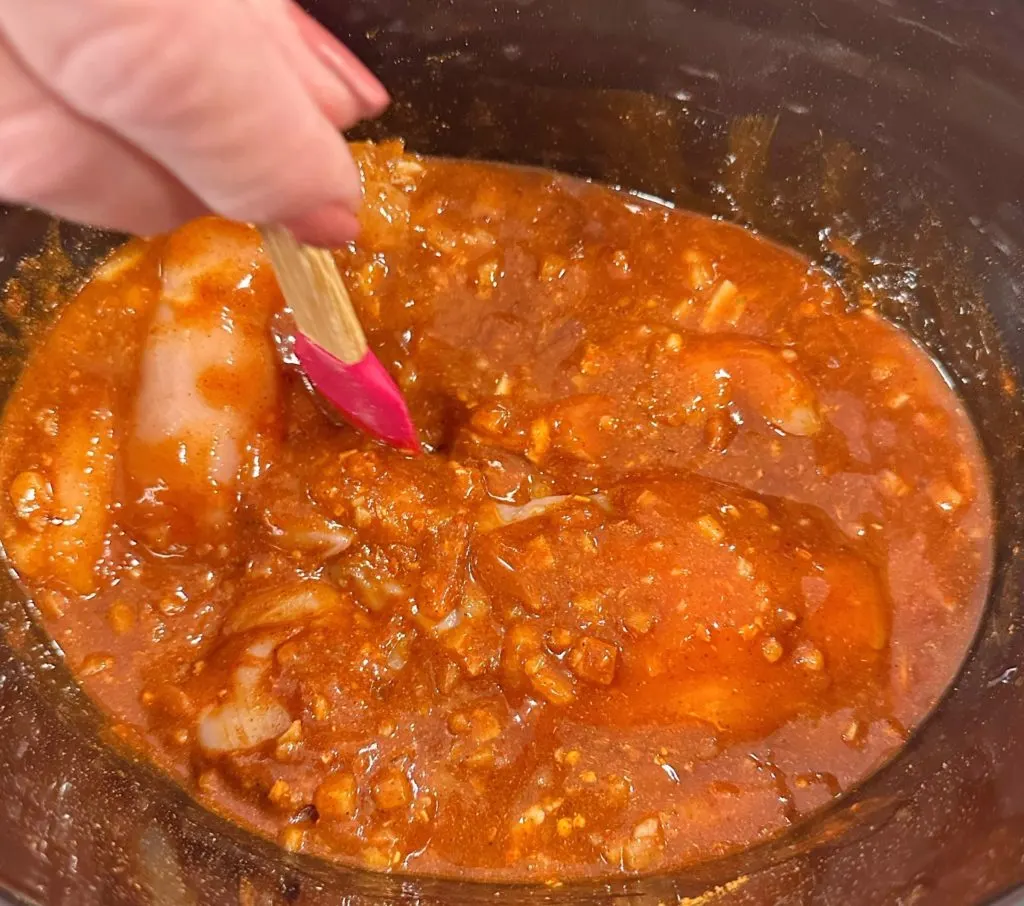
331,345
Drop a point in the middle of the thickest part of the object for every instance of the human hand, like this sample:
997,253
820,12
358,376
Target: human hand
137,115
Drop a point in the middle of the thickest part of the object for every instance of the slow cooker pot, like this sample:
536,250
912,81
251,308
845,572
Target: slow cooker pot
884,138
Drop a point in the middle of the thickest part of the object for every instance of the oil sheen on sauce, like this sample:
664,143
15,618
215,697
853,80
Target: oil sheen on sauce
694,544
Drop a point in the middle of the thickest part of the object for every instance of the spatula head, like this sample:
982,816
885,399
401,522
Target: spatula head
363,392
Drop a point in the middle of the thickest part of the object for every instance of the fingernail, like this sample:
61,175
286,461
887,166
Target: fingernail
330,226
344,64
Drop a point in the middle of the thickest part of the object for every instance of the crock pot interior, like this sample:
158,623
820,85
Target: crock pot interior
884,140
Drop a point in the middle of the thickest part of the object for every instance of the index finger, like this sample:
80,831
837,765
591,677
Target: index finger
198,87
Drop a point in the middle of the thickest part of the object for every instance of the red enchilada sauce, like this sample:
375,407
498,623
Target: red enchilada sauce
694,544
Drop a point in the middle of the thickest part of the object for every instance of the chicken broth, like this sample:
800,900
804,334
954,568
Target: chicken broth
694,543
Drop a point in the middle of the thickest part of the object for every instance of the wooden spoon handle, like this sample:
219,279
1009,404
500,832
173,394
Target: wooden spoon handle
313,288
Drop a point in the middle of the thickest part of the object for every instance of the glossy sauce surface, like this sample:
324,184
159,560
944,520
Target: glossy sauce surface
695,542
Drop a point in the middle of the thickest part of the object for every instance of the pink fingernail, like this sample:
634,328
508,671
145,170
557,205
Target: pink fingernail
341,61
330,226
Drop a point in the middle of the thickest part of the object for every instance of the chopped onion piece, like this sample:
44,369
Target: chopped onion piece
449,621
398,657
373,593
241,724
509,514
246,719
800,421
312,535
261,650
329,542
284,604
